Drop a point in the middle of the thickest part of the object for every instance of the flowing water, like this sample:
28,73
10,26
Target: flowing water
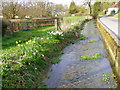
75,72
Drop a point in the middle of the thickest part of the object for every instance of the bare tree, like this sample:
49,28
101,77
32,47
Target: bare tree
88,3
49,8
10,9
31,8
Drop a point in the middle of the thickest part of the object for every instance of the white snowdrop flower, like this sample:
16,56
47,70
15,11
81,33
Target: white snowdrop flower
43,55
35,68
36,50
34,53
54,33
57,31
72,24
41,38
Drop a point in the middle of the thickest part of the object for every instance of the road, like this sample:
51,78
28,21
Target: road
75,72
112,24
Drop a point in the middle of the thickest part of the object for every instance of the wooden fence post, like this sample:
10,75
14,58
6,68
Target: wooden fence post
56,23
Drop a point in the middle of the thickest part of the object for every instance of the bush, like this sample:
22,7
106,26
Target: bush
113,12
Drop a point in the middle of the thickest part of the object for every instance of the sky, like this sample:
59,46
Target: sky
65,2
78,2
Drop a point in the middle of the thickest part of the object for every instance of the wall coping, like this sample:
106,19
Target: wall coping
116,39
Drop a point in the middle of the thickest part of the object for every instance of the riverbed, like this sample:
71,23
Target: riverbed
76,72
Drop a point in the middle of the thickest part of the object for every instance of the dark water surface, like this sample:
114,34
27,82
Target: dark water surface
75,72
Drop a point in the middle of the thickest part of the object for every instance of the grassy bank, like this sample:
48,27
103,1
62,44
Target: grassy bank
70,22
23,56
73,18
26,55
117,15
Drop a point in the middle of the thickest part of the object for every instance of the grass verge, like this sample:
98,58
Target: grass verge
72,19
117,15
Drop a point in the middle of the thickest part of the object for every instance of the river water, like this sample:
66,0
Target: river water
75,72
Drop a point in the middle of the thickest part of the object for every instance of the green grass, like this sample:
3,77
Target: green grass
25,53
96,56
90,41
61,52
117,15
9,41
72,19
43,86
82,37
55,61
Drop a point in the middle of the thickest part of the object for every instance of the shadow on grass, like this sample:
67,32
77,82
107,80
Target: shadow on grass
9,41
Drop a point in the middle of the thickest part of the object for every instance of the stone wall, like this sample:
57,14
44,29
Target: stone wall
112,46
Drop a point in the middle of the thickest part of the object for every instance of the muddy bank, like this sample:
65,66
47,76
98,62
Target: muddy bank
75,72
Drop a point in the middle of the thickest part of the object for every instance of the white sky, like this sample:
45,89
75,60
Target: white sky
65,2
78,2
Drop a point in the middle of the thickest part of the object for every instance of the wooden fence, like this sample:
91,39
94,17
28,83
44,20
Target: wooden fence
24,25
19,25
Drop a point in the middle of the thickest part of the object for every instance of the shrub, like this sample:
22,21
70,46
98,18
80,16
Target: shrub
113,12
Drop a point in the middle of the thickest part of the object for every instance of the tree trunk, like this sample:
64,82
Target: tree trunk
89,4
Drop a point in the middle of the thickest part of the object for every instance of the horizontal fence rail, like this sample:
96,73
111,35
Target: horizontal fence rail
20,25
